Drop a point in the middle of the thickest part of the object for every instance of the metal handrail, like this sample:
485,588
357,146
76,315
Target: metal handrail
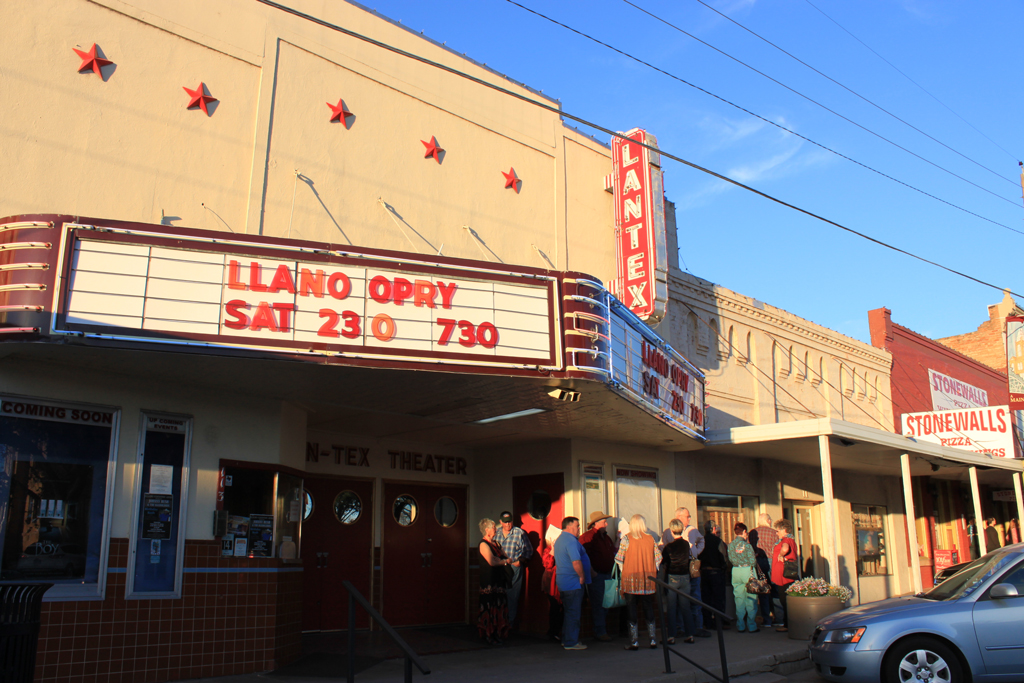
411,657
665,631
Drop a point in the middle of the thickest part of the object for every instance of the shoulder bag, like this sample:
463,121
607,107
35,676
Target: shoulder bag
758,585
789,565
612,597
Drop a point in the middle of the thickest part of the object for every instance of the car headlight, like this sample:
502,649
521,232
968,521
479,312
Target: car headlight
845,635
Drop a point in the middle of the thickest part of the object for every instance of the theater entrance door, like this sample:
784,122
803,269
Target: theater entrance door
423,553
337,544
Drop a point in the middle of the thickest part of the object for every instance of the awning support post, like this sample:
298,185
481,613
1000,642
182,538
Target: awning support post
1020,496
979,521
829,536
908,506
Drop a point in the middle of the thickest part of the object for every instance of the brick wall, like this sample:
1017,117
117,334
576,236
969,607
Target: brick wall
230,620
914,354
986,344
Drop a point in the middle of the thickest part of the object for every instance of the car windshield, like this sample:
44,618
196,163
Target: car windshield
965,581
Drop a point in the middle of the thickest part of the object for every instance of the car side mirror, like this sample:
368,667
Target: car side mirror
1003,590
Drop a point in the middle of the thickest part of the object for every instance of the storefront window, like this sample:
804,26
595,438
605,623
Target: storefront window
726,510
869,532
636,493
264,510
594,498
160,506
54,488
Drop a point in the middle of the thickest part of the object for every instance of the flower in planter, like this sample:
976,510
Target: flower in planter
816,588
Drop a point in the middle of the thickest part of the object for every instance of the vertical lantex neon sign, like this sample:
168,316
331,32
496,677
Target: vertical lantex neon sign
637,186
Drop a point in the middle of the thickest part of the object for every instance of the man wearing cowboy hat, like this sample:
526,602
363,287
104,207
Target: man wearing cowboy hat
601,551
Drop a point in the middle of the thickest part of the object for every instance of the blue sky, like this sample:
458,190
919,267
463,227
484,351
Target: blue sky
965,54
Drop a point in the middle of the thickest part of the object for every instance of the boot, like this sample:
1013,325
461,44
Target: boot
634,636
651,633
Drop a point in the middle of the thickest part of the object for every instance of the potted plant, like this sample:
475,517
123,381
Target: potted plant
809,600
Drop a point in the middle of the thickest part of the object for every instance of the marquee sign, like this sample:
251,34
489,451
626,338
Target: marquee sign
654,374
980,430
640,243
301,299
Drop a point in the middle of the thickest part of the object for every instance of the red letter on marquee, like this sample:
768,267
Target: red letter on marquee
346,285
263,318
311,284
234,272
282,280
425,293
402,291
241,320
447,293
380,289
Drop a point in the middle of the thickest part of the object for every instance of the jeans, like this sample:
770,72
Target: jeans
680,616
572,606
746,605
513,594
696,610
597,610
781,590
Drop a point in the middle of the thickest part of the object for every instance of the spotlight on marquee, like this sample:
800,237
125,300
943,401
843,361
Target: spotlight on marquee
564,395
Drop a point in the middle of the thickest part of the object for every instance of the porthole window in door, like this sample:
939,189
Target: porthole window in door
539,504
446,511
347,507
405,510
307,505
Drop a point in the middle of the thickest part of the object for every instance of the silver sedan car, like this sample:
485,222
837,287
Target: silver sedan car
968,628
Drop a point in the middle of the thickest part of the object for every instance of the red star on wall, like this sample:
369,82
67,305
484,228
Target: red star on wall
510,179
199,98
339,112
433,149
91,61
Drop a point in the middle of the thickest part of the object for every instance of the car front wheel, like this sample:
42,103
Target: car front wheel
922,660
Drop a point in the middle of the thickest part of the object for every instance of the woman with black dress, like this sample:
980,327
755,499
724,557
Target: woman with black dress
493,618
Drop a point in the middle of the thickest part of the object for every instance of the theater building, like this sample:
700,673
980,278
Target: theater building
280,308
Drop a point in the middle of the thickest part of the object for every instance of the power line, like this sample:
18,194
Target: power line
780,126
849,90
610,132
1010,154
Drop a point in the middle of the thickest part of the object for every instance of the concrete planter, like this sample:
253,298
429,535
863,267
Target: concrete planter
804,613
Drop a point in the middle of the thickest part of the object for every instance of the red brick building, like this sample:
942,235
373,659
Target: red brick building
920,368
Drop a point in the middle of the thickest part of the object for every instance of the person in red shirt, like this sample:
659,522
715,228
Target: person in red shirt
784,550
601,551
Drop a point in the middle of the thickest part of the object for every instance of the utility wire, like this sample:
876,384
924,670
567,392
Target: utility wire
852,92
1010,154
610,132
780,126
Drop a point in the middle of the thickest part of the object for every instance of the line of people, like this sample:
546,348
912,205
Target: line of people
575,565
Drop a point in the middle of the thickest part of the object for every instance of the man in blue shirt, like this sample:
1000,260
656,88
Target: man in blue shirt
570,558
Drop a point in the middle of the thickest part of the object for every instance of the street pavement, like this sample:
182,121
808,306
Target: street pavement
765,657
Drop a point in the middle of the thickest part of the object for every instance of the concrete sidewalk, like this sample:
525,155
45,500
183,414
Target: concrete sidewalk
766,656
